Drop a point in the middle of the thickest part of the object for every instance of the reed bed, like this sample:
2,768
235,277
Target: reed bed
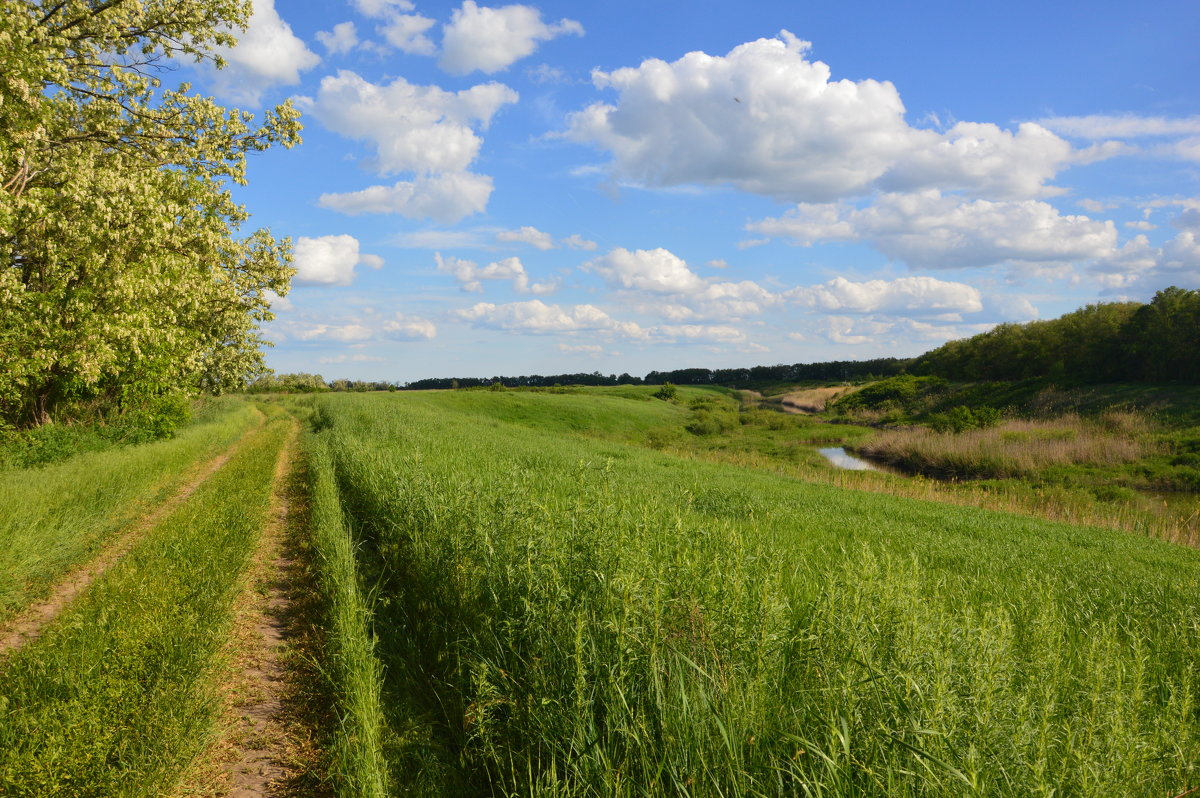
1011,449
566,617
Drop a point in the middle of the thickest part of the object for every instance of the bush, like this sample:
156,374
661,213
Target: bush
710,422
153,419
961,419
666,392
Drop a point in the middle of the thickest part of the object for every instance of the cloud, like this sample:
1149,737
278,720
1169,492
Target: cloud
928,230
470,275
904,296
445,198
409,328
379,8
344,333
406,32
718,333
330,260
1141,225
576,241
544,73
767,120
716,301
445,239
660,283
421,129
1188,220
342,39
359,358
371,327
490,39
1095,206
1125,126
535,316
267,54
527,235
656,271
583,349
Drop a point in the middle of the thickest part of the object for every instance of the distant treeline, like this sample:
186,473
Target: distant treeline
1112,342
733,378
798,372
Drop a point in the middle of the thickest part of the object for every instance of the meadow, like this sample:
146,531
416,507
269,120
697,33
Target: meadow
532,611
590,592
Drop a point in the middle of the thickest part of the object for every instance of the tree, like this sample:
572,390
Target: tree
121,272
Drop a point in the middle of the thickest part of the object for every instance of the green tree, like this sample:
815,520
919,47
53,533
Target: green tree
122,275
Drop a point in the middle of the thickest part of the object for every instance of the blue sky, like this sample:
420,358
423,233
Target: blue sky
620,187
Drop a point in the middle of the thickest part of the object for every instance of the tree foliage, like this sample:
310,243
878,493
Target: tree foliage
122,275
1111,342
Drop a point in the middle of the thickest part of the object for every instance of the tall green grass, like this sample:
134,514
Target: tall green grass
116,697
356,759
56,517
560,616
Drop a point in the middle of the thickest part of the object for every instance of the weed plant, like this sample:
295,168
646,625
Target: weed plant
559,616
58,516
117,696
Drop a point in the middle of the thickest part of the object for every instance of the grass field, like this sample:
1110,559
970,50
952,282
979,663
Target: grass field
555,614
116,698
59,516
593,592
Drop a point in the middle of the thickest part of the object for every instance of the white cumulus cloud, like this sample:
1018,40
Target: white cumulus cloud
470,275
445,198
412,128
330,260
929,230
904,296
342,39
408,328
490,39
767,120
267,54
406,32
655,270
535,316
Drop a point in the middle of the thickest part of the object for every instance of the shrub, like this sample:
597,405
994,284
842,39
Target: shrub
666,392
152,419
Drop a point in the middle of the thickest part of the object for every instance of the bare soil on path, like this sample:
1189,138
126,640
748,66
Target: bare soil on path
29,624
266,744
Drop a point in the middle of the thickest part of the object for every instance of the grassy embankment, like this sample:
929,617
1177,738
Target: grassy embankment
60,515
117,695
557,615
1123,455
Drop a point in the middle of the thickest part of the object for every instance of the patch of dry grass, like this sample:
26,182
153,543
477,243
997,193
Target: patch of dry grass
1014,448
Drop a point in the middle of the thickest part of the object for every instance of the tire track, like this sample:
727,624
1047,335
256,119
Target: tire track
29,624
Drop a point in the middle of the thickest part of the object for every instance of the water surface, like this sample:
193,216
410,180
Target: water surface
837,455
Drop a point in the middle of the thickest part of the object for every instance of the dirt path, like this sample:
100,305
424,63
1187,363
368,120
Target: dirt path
266,746
29,625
